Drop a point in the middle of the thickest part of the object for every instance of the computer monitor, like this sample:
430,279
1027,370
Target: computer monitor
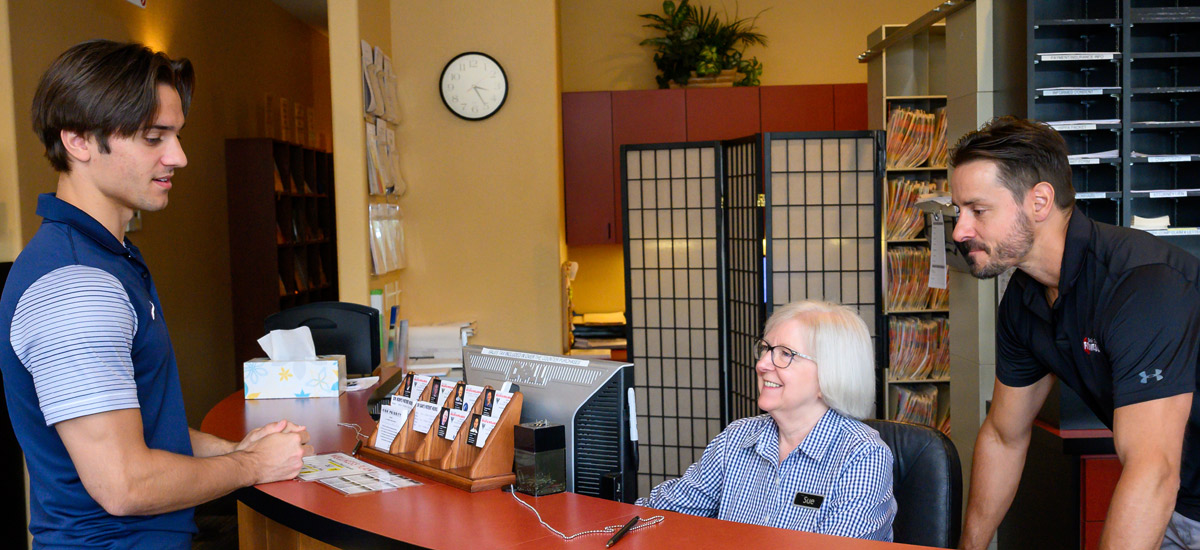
587,396
338,328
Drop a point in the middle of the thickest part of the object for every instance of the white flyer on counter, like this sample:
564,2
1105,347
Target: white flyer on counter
424,415
333,465
391,420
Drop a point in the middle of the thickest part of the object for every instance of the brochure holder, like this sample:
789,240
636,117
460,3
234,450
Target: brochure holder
455,463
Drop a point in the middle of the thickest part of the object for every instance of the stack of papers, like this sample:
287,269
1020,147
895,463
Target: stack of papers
599,330
1147,224
436,349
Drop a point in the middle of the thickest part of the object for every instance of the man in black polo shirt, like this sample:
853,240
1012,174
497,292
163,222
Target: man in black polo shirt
1114,313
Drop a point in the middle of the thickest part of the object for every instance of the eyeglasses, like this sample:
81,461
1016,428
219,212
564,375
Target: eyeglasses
781,356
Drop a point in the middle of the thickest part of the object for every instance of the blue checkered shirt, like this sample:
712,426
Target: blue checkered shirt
739,478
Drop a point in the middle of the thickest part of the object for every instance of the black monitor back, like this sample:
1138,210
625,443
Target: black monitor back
338,328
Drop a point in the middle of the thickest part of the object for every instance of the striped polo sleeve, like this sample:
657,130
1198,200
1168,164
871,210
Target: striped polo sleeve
73,331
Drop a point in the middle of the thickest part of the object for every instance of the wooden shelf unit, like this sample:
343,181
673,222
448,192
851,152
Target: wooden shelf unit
282,233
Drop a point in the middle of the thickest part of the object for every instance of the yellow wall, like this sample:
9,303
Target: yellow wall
10,216
809,41
599,287
483,212
242,50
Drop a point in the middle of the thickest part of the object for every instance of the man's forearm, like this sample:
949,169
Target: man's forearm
205,444
1141,506
995,474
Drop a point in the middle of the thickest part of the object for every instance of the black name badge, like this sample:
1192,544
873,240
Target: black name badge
808,501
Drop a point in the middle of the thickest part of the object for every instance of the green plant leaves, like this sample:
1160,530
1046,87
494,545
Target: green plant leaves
695,39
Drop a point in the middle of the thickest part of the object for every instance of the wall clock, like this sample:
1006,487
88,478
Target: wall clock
474,86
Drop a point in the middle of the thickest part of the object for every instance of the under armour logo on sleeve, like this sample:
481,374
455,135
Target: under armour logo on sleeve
1156,375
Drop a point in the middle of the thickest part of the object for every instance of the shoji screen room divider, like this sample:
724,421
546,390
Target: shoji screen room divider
717,234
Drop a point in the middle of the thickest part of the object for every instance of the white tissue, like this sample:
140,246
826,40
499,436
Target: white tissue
289,345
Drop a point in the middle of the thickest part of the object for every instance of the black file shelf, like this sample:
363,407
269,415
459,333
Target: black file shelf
1122,77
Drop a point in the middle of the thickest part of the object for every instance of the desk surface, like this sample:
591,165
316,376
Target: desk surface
438,516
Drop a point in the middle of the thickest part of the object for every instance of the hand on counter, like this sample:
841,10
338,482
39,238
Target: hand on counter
276,451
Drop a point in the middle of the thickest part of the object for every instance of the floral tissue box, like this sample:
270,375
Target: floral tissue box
324,376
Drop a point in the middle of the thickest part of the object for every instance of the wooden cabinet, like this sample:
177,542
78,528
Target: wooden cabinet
282,245
591,200
597,124
1099,480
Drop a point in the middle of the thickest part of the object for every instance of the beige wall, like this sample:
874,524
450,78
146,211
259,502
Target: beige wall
809,41
483,212
242,50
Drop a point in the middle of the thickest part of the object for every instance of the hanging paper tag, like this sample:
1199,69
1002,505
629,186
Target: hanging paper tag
937,252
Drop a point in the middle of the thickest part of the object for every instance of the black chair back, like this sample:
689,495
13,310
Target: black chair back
927,482
337,328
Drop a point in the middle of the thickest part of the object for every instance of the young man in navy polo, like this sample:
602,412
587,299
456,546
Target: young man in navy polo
1112,312
89,373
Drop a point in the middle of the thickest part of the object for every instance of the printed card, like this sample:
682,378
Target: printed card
486,425
391,419
425,413
472,395
457,418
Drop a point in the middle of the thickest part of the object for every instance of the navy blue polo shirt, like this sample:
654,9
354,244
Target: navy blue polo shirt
85,334
1124,329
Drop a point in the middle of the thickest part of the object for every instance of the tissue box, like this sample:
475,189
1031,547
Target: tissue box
324,376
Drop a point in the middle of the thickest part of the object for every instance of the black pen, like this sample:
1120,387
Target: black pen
622,532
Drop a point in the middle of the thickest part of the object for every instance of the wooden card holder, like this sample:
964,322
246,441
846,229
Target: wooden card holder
455,463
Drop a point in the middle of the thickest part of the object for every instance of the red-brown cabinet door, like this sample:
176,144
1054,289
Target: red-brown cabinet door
722,113
801,108
588,167
644,116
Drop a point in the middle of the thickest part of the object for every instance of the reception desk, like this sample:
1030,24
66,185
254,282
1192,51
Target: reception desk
309,515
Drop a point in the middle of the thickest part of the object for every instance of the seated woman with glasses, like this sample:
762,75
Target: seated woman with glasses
808,464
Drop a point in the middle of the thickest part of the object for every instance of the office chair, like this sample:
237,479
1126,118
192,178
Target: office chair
338,328
927,483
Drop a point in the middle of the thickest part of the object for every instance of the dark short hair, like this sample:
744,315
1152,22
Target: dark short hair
1026,152
104,88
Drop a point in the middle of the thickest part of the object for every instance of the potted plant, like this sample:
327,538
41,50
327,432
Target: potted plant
697,44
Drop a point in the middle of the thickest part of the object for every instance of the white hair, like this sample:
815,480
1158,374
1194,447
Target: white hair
841,343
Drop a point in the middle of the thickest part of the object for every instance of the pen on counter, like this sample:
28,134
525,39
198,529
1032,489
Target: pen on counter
616,537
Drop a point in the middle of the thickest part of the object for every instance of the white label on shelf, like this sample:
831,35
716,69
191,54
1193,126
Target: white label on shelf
1073,127
937,252
1091,195
1167,194
1078,56
1088,160
1074,91
1169,158
1181,231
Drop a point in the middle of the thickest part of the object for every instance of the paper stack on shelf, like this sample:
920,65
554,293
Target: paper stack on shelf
918,349
903,221
437,349
1146,224
598,330
917,404
941,149
910,137
908,278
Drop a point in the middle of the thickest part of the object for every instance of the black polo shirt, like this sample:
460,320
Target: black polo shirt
1124,329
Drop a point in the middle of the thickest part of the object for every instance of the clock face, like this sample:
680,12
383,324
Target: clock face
474,86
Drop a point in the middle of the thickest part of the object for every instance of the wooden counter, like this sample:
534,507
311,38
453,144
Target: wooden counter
299,514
